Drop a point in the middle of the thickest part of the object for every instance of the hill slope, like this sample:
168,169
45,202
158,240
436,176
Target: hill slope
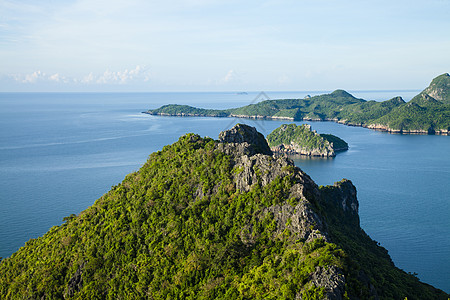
439,89
205,219
432,116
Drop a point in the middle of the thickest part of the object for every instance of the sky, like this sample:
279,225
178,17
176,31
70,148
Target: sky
200,45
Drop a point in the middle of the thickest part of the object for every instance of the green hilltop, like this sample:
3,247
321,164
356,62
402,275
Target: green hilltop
439,89
293,139
206,219
427,113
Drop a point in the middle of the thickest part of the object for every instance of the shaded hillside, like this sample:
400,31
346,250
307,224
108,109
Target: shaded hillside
431,116
206,219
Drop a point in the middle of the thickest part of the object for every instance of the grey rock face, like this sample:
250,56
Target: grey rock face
346,196
294,148
332,280
302,219
241,133
75,283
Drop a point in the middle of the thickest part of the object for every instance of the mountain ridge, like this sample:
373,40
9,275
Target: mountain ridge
393,116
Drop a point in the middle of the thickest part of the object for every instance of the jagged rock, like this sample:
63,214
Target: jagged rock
75,283
332,279
347,193
301,221
342,196
439,88
241,133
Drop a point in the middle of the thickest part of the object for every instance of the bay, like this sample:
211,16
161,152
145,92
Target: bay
59,152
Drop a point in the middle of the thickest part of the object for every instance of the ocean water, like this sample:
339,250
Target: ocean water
59,152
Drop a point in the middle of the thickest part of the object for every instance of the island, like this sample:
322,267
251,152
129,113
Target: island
293,139
426,113
212,219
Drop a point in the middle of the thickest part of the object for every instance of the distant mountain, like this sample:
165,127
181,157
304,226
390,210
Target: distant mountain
293,139
206,219
431,115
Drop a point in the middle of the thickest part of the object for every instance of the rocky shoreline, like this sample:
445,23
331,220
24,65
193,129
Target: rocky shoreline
293,150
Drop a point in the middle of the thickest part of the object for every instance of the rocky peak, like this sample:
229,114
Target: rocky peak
242,133
439,88
341,199
347,193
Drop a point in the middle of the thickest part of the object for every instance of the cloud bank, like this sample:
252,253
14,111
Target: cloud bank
138,74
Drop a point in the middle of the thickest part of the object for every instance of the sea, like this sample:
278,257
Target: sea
59,152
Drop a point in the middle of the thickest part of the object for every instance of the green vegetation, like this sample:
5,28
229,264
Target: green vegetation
439,89
174,230
170,231
369,261
300,139
186,110
430,115
336,143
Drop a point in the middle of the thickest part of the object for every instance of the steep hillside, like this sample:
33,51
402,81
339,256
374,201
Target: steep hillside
439,89
206,219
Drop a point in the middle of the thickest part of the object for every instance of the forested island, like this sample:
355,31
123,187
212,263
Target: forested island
426,113
293,139
212,219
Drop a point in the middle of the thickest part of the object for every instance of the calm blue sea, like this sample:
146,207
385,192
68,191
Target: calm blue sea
59,152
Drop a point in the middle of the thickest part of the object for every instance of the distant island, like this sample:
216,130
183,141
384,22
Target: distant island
293,139
426,113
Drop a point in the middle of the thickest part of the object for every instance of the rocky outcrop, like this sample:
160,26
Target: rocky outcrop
439,88
386,128
332,280
300,217
342,198
293,149
242,133
75,283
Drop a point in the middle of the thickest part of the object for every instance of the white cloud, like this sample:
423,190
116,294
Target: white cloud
123,77
38,76
138,74
88,78
230,76
58,78
29,78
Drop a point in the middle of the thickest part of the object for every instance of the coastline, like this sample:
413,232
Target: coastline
376,127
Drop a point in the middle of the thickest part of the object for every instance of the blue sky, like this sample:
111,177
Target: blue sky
199,45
